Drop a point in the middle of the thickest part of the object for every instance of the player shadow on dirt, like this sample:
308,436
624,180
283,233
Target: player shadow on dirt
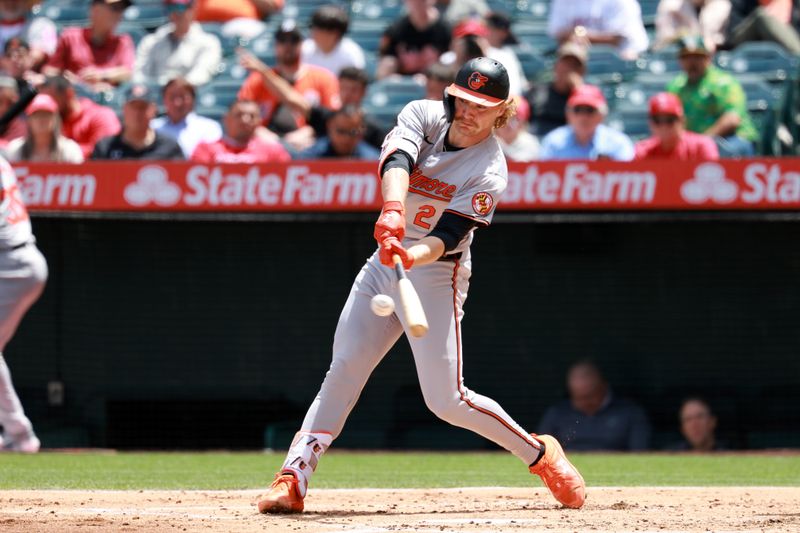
309,516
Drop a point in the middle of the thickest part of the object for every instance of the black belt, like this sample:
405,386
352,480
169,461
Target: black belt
453,257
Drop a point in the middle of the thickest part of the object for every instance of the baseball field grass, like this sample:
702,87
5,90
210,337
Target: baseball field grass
342,469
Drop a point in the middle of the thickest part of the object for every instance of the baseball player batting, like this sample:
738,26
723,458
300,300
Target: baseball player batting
442,173
23,272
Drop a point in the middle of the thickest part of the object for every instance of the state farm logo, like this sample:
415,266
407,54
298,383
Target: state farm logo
709,183
152,185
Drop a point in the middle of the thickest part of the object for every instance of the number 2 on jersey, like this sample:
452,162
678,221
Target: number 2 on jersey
425,211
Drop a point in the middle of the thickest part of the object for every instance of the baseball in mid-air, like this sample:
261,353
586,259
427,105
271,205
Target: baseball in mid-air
382,305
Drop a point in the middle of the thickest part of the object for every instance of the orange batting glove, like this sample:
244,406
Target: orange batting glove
391,222
391,246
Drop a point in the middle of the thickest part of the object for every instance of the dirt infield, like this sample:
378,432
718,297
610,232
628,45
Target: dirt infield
756,509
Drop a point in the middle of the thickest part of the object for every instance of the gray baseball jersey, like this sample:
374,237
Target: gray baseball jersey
23,272
467,182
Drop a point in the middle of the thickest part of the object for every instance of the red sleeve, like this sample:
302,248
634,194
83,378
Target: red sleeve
202,153
127,52
103,124
708,150
329,91
58,59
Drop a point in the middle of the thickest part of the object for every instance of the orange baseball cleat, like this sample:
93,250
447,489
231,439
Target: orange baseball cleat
558,474
283,496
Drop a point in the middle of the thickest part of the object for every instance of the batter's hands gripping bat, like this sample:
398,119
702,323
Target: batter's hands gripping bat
409,300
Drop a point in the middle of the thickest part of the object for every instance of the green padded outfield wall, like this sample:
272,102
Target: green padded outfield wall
206,334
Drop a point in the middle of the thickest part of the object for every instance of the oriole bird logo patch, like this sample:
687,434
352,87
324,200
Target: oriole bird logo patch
482,203
476,80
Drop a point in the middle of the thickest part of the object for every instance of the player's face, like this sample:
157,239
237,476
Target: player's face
475,120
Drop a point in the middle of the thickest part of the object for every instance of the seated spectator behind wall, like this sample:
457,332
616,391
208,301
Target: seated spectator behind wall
713,100
9,95
287,92
764,20
471,40
698,425
413,42
352,89
95,56
585,136
437,77
593,418
670,139
502,41
82,120
180,120
244,18
588,22
138,140
179,48
328,46
240,144
43,140
675,18
40,33
17,61
517,142
548,101
345,138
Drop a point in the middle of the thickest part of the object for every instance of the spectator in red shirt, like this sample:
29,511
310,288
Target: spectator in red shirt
671,139
287,91
95,56
82,120
240,144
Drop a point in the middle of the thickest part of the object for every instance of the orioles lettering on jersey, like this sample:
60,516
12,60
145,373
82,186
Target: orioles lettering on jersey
14,208
433,188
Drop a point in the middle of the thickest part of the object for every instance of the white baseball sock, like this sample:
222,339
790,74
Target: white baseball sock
12,416
303,456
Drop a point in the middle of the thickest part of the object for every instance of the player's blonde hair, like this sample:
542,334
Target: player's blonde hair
510,111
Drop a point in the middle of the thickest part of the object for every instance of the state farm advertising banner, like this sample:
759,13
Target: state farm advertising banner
354,186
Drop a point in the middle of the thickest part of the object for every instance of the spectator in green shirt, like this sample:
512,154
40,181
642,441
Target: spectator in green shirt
713,100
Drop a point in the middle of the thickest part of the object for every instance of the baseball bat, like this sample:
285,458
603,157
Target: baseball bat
409,301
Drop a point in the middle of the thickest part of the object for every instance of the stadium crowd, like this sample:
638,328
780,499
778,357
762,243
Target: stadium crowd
268,80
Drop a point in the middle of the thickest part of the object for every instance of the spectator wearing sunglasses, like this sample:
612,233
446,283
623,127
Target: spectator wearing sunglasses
670,138
585,136
345,138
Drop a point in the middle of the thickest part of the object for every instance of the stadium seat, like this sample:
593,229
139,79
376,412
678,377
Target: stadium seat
148,16
768,59
367,33
262,46
534,35
533,65
386,98
649,8
218,93
67,14
229,43
526,10
605,65
230,69
132,28
633,122
372,11
661,62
